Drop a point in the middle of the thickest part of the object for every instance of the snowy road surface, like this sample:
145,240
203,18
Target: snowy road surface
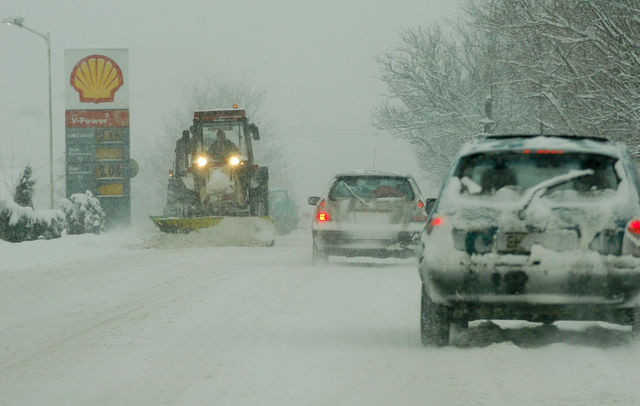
132,318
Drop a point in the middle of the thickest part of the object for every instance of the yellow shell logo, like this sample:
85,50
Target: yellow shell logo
96,78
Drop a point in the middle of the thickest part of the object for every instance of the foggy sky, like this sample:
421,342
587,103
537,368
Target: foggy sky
313,59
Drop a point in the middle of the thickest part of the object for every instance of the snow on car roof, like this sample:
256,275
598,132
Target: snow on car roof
561,142
371,172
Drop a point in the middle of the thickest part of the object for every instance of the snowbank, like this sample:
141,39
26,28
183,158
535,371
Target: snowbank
231,231
18,223
83,213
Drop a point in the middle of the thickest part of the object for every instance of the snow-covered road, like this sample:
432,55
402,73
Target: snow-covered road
131,318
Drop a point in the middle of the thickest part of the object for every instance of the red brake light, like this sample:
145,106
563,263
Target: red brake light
322,214
634,226
547,151
420,215
435,222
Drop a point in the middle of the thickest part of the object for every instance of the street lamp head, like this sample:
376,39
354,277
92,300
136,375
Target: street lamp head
19,21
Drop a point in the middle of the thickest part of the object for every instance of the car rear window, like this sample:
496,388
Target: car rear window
371,187
486,173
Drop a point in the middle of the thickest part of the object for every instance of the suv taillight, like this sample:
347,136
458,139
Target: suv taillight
631,239
634,227
322,214
419,216
435,222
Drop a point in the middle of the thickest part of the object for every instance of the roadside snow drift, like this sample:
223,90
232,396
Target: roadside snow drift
229,232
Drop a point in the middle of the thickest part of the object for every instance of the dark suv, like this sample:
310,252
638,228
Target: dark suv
537,228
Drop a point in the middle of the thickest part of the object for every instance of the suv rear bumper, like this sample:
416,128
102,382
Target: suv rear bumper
572,281
536,312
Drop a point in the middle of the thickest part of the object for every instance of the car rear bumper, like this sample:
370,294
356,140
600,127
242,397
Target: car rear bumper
389,242
537,312
545,279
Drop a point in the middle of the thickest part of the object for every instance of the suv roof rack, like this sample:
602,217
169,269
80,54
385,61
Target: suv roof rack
568,136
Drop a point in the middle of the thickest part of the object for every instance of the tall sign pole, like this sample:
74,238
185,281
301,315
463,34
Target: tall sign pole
97,129
48,41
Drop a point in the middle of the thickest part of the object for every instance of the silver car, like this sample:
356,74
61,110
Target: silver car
537,228
368,213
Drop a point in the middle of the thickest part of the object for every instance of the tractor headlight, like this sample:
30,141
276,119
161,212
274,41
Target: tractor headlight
201,162
234,161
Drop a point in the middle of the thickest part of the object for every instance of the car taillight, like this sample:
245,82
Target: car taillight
631,239
322,214
634,227
419,216
435,222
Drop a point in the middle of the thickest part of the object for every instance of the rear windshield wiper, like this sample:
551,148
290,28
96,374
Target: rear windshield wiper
532,192
353,193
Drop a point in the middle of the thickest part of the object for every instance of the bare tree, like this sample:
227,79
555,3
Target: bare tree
578,58
546,65
437,88
430,101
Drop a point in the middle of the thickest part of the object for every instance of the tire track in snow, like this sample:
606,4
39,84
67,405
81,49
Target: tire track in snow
152,297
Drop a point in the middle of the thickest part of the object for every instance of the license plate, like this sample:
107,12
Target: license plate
512,242
372,217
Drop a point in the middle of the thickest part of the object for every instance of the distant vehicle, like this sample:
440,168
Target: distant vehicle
537,228
368,213
284,211
214,177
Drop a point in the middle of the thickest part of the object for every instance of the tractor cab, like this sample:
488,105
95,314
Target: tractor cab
233,124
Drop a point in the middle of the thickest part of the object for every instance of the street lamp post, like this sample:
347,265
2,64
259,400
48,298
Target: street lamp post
19,22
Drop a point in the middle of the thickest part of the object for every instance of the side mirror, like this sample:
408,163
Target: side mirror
313,200
255,133
428,206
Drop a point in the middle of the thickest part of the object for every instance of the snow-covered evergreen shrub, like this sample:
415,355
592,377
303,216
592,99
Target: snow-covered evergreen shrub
18,223
23,194
83,213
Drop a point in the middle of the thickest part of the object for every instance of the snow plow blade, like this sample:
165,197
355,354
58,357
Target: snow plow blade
222,230
184,225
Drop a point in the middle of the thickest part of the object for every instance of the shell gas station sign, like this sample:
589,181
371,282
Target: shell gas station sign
97,128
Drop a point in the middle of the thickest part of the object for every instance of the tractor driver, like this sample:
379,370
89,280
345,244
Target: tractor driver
222,148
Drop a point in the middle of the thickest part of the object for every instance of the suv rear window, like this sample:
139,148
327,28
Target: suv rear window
371,187
518,171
